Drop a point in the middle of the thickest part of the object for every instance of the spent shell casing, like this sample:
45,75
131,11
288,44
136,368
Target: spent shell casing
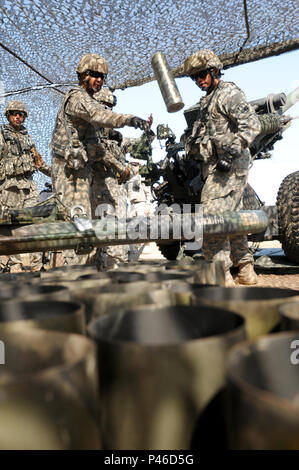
168,87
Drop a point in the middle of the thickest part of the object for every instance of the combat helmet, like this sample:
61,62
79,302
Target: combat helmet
201,60
92,62
105,95
15,105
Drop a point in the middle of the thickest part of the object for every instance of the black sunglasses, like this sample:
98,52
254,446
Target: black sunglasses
200,74
15,113
94,74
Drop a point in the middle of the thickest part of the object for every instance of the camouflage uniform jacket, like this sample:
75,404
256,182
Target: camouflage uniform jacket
81,118
17,158
226,123
114,146
140,147
135,188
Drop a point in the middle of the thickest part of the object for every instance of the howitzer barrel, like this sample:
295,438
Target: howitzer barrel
292,99
235,222
169,90
269,103
261,106
105,232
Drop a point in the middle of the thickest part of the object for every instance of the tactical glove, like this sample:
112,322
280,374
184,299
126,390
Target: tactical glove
225,163
115,135
139,123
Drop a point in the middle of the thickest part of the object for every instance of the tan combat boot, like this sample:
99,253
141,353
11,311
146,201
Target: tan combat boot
229,281
247,275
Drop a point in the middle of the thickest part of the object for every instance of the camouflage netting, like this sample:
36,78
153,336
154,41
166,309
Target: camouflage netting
43,40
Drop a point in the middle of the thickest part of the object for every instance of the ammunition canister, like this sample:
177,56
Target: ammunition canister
262,393
258,305
169,90
49,392
290,315
162,375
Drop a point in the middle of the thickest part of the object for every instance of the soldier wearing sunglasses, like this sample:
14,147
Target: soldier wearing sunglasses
225,127
19,160
79,141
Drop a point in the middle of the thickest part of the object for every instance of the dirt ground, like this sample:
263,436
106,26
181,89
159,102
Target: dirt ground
286,281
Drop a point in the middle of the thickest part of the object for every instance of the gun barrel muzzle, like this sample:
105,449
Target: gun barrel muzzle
168,87
292,99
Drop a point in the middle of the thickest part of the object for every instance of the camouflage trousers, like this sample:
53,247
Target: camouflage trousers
73,189
137,209
108,197
13,197
233,249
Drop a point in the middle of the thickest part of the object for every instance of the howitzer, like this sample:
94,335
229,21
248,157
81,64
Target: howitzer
181,176
273,123
175,171
39,229
270,111
182,182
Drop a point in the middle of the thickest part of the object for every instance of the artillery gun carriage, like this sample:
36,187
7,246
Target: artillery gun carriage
182,183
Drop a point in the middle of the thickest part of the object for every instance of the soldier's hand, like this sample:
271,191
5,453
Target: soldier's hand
125,175
38,159
150,120
224,163
139,123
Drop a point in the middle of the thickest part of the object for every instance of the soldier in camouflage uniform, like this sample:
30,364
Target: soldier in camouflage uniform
108,189
140,199
19,160
140,147
220,140
80,147
138,196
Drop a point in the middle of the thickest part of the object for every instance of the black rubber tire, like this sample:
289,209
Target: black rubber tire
288,216
169,251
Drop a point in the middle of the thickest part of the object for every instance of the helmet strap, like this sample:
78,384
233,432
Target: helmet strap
213,76
211,87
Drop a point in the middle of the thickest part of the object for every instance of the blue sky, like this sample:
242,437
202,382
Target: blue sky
257,79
